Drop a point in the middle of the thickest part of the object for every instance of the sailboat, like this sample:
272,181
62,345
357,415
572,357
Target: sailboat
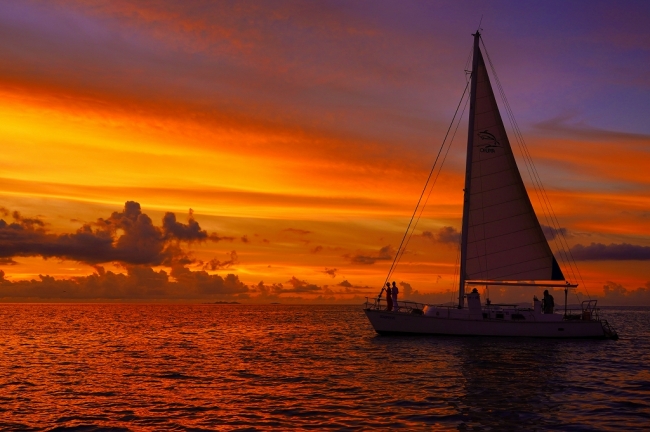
502,243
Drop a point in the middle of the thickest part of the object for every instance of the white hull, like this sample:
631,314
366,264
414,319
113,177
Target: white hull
502,243
550,326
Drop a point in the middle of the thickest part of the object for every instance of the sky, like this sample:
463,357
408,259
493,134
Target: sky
275,151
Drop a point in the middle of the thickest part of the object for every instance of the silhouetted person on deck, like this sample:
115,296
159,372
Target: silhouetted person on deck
389,299
548,303
395,291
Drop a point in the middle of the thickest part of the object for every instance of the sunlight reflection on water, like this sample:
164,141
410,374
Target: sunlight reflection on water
278,366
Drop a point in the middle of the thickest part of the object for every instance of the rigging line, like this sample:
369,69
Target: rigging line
569,259
468,62
402,250
517,133
435,180
455,281
549,212
540,191
530,166
426,184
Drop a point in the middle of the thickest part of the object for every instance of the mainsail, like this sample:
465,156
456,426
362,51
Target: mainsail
502,238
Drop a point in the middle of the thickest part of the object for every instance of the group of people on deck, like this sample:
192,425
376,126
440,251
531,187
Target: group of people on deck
391,296
548,303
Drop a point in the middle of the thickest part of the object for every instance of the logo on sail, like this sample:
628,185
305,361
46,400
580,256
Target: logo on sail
488,142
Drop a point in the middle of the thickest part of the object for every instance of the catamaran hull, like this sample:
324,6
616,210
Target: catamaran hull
396,322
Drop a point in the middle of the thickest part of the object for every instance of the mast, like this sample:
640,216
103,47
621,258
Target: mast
468,172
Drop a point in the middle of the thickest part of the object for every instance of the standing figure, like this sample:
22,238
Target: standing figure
395,292
389,299
548,303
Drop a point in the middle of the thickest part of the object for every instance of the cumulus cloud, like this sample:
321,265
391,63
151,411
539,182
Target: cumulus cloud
316,249
445,235
613,251
407,289
346,284
128,237
204,284
386,253
331,272
617,294
185,232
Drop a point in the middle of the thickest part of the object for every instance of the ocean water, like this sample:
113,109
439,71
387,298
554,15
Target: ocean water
243,367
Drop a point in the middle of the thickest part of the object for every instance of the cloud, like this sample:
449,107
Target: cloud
204,284
244,239
215,264
316,249
274,291
407,290
7,261
551,233
185,232
331,272
386,253
346,284
616,294
599,251
297,231
300,286
583,131
216,238
140,282
128,237
445,235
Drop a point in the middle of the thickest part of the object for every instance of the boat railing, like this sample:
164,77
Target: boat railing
504,305
404,306
588,312
589,309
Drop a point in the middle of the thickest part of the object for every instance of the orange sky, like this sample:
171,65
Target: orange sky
300,135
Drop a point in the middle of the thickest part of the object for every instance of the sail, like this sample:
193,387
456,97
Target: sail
504,240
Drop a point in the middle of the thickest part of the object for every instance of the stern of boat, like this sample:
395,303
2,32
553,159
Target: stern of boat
590,312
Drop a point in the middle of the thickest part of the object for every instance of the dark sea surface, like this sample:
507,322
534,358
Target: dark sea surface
241,367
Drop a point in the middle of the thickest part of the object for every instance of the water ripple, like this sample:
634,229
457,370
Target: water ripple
235,367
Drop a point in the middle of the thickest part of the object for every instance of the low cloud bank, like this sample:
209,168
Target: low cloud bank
139,283
613,251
